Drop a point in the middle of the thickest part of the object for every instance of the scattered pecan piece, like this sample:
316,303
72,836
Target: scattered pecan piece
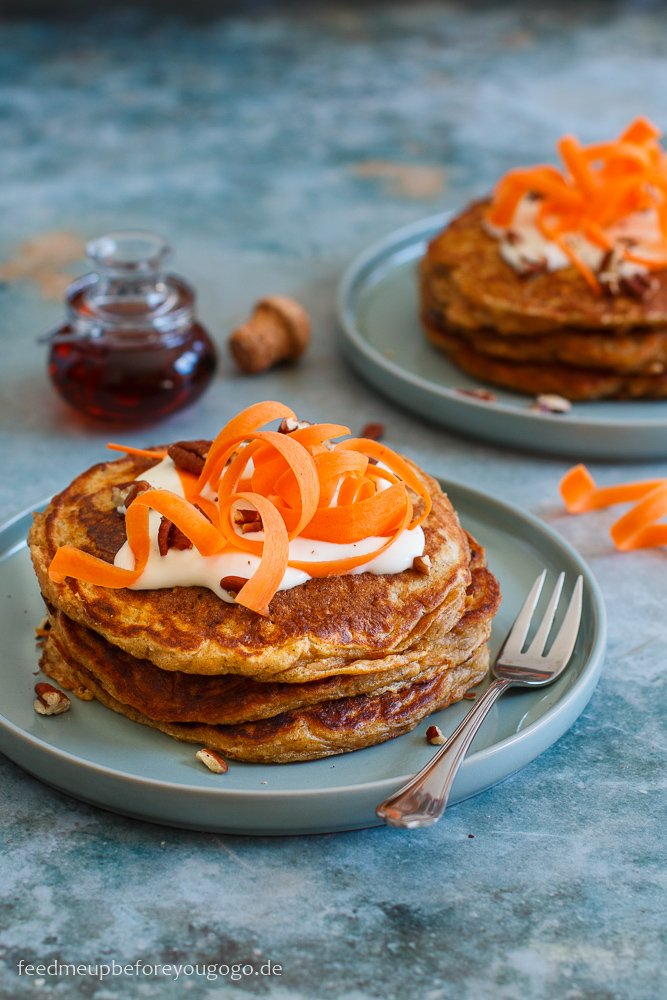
189,455
232,584
49,700
529,267
124,494
245,515
613,282
171,537
248,521
551,403
435,736
422,564
484,394
288,425
42,630
638,286
213,761
374,432
470,696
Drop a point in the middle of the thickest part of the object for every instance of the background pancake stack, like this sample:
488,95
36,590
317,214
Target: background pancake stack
341,662
541,332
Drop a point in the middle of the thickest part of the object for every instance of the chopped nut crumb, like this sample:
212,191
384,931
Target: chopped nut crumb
484,394
289,425
422,564
42,630
232,584
374,432
551,403
435,736
125,493
212,760
49,700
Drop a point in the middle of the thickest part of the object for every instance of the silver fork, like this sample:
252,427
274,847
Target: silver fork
422,801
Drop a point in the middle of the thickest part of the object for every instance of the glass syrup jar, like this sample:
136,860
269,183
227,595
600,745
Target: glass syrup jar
131,350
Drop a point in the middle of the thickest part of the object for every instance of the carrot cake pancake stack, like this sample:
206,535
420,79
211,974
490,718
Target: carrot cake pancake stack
558,283
277,595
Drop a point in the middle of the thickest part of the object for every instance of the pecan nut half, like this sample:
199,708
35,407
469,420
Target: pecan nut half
171,537
189,455
232,584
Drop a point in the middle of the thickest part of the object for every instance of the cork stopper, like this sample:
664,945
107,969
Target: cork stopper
278,330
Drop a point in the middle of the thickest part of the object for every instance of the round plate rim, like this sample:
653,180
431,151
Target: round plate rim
418,232
588,677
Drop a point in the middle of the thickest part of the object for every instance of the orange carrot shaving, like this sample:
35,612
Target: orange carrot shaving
580,493
257,593
638,528
317,433
396,464
139,452
332,466
600,185
239,427
296,484
204,536
376,515
70,561
333,567
299,461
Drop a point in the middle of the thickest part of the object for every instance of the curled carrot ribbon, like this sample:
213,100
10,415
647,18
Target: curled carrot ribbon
640,526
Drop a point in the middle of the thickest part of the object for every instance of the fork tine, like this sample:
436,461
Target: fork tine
536,647
517,635
561,651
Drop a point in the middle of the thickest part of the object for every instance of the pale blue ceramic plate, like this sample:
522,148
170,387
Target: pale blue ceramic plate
379,312
103,758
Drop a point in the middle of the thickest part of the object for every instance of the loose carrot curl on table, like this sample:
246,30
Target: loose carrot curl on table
601,184
639,527
293,483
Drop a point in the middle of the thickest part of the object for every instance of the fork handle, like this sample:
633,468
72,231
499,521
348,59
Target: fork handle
422,801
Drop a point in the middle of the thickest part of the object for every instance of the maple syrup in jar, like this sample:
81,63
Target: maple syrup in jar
131,350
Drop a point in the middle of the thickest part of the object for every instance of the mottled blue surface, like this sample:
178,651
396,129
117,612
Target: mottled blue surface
258,143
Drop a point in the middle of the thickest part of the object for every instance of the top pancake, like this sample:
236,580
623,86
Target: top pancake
464,263
339,624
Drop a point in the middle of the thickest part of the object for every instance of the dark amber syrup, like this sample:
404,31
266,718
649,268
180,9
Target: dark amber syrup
131,382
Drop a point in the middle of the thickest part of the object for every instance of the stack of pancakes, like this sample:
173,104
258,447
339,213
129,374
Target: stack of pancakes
541,332
340,663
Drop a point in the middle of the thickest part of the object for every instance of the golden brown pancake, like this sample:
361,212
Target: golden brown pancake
574,383
328,626
635,353
228,699
329,727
